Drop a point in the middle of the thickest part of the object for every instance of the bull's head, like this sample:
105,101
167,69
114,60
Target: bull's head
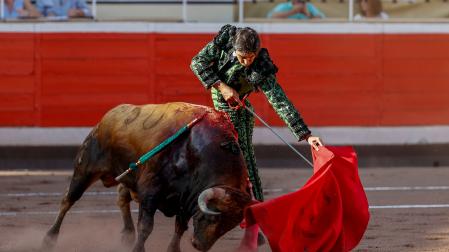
221,209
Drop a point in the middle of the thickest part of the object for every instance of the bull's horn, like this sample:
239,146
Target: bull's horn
207,195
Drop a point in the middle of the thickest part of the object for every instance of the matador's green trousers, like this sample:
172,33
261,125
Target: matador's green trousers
244,124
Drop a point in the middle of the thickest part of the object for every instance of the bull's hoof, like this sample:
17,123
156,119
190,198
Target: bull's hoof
172,248
49,242
260,239
138,248
128,238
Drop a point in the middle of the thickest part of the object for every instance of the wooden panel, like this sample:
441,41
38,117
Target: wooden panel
419,117
328,67
178,80
414,101
328,46
16,84
171,90
110,70
16,54
69,117
68,46
179,66
17,108
337,100
346,118
429,68
106,37
81,84
416,84
14,66
16,46
17,102
334,108
79,110
329,83
195,98
333,79
174,46
85,100
416,80
16,118
181,88
416,46
95,67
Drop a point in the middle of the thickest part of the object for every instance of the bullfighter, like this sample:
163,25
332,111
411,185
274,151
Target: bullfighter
232,66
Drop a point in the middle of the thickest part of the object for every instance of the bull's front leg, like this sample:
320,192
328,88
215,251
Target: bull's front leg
147,208
123,200
180,227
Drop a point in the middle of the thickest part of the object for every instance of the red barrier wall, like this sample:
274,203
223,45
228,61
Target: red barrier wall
72,79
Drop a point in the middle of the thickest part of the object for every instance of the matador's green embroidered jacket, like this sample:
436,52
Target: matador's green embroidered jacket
217,62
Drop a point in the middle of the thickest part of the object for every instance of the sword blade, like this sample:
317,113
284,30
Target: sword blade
279,136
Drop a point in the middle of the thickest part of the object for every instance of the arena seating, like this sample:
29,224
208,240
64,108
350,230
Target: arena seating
256,10
407,10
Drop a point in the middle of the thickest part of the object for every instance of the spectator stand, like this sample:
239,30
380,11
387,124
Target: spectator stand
253,11
93,5
146,10
344,10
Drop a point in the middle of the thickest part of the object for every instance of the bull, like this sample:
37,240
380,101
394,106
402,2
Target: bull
202,175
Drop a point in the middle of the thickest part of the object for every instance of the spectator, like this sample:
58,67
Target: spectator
63,8
370,9
20,9
296,9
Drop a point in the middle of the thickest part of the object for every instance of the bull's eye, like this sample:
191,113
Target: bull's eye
213,218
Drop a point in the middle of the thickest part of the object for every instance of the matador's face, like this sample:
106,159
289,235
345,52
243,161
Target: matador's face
246,58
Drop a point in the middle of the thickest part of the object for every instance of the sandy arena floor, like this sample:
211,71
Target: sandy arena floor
409,212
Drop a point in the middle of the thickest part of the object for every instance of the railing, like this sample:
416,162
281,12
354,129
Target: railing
2,9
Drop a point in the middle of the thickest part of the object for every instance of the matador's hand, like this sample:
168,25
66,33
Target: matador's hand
314,142
229,94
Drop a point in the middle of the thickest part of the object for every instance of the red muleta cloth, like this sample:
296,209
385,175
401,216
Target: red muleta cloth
329,213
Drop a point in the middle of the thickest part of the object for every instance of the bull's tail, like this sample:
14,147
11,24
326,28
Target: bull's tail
86,172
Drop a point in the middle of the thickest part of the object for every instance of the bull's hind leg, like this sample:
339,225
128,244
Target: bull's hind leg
123,202
77,187
87,171
180,227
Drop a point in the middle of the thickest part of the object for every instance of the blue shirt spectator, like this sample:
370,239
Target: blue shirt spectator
63,8
295,9
19,9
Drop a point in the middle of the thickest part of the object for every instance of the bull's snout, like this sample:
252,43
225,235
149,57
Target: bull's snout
196,244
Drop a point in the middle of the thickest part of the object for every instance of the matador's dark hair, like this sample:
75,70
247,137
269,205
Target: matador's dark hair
246,40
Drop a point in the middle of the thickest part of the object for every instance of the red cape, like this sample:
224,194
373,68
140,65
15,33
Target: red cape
329,213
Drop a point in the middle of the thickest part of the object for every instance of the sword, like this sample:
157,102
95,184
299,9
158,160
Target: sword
242,104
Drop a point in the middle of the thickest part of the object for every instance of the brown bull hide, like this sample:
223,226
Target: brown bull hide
172,180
